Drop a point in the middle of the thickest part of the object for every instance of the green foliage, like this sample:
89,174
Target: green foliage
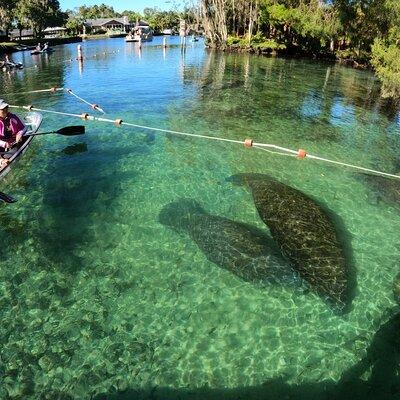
38,14
74,24
257,42
160,20
386,60
93,12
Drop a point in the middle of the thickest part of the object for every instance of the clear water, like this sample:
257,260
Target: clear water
98,299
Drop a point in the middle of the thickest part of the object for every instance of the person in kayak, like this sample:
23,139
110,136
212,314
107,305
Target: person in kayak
12,129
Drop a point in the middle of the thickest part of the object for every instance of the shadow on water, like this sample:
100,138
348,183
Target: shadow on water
75,190
382,361
75,148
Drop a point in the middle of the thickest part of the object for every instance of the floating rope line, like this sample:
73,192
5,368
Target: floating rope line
55,89
94,106
272,148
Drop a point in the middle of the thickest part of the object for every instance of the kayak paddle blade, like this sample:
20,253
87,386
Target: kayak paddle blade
6,198
71,130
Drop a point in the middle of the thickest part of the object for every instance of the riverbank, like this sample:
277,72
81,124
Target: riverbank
20,45
271,48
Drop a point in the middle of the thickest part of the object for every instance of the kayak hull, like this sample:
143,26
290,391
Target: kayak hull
33,120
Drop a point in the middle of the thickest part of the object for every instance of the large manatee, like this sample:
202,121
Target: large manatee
237,247
305,234
396,288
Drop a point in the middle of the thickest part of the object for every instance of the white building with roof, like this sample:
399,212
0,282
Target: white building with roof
106,24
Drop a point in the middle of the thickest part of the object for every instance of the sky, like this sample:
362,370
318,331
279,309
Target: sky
121,5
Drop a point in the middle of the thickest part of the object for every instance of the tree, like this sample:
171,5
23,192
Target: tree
39,14
386,53
7,8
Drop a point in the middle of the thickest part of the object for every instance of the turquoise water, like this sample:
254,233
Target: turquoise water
100,300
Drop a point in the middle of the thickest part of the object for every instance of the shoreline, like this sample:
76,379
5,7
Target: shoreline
290,53
22,45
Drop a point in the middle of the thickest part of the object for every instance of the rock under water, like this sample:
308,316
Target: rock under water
244,250
305,234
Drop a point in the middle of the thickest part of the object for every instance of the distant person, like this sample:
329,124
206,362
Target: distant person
12,129
45,47
38,47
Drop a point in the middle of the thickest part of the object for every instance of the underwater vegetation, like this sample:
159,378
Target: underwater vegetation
242,249
305,234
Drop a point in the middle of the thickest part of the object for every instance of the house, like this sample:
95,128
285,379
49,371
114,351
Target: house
54,32
25,34
105,24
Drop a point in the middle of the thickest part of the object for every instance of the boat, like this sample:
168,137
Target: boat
114,33
33,121
48,50
131,38
10,65
167,32
143,33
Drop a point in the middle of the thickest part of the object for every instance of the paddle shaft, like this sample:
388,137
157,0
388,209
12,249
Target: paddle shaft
40,133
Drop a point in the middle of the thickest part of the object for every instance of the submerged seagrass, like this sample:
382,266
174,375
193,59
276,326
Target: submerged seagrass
237,247
304,233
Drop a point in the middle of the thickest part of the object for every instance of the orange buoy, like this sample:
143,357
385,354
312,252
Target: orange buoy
248,142
301,153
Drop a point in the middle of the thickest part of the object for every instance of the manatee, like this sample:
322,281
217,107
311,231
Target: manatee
304,233
237,247
386,189
396,288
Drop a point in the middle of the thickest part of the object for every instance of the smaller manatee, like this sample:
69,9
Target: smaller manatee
247,252
396,288
385,189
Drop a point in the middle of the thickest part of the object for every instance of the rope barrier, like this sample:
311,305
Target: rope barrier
94,106
300,154
69,91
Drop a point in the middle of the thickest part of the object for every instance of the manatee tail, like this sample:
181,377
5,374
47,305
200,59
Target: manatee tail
177,214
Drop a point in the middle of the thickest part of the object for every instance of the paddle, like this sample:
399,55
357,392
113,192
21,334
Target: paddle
6,198
67,131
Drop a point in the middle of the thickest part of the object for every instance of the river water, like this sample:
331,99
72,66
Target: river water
99,299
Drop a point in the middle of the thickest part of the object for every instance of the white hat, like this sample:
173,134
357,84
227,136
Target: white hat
3,104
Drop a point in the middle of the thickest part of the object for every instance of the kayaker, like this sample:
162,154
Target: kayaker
12,129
